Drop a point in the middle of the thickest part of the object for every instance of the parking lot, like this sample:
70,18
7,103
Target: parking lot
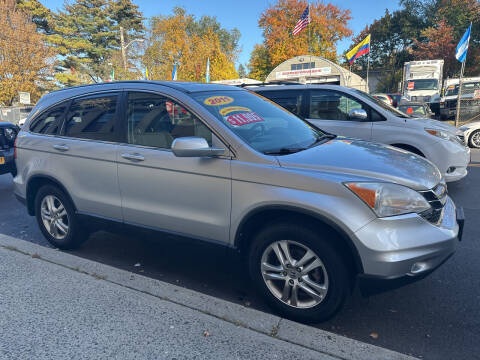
436,318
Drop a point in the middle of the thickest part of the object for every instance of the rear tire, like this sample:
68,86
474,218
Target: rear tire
56,218
288,287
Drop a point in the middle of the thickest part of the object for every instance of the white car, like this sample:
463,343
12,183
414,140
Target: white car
471,133
353,113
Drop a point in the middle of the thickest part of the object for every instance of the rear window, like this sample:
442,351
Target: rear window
92,118
49,122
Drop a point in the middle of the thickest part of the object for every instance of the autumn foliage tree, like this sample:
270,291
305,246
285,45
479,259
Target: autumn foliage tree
328,26
181,39
25,59
438,44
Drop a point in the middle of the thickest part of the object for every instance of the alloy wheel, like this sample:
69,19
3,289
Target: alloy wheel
475,139
294,274
54,217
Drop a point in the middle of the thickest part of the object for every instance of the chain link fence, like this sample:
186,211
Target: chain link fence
14,114
469,103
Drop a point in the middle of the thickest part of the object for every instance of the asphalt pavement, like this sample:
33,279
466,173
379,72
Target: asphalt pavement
436,318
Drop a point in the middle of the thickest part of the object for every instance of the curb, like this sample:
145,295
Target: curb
271,325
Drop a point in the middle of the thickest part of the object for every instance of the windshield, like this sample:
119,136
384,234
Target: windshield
422,84
380,103
467,88
262,124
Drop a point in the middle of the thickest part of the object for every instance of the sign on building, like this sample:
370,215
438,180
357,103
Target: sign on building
303,73
24,98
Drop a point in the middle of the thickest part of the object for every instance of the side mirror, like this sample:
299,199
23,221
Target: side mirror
358,114
194,147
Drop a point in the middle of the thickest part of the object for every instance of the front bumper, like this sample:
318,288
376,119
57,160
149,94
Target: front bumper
451,158
402,249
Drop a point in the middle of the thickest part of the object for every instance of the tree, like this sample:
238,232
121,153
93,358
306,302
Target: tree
242,73
40,15
459,14
438,44
86,34
181,39
25,59
125,14
328,26
260,64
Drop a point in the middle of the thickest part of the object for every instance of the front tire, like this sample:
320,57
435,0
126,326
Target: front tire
474,140
56,218
301,275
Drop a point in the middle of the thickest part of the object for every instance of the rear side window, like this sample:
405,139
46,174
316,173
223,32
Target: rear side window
290,100
49,121
92,118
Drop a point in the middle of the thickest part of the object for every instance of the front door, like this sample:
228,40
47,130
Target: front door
329,110
190,196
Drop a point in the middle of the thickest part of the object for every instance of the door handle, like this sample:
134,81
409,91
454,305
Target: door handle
133,157
61,147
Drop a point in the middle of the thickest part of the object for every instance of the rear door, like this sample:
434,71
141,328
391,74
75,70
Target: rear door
190,196
85,154
329,110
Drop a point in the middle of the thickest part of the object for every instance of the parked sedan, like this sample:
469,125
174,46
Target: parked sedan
471,133
416,110
353,113
8,133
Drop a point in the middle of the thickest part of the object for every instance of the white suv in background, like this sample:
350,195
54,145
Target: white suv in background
353,113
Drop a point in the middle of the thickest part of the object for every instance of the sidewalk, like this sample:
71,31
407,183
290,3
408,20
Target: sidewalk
56,306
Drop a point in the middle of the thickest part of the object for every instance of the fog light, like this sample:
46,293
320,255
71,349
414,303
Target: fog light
451,169
418,267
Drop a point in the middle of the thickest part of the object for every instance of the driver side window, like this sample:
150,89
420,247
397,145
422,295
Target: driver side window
155,121
333,105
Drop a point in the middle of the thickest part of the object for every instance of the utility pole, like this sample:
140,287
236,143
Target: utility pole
124,48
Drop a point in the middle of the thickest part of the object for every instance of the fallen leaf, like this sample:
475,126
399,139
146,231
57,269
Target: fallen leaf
206,334
374,336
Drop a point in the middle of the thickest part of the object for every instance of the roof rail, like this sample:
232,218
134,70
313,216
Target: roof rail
281,82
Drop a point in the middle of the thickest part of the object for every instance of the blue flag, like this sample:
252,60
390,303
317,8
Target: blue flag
207,76
462,46
174,72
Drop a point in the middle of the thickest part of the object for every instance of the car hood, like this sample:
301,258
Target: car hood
367,160
434,124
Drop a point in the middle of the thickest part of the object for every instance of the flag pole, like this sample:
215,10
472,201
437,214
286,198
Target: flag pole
460,83
309,40
368,61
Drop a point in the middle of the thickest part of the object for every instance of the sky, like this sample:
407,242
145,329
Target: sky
244,15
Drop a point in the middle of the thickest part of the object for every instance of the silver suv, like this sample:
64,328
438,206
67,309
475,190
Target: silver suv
311,213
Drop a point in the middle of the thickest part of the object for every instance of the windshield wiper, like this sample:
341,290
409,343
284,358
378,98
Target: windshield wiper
321,140
283,151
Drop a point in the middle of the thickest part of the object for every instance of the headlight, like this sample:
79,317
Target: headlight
442,134
387,199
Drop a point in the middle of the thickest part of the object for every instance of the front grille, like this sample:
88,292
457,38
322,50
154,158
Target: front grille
436,197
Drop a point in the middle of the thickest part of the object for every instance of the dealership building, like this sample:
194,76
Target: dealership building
308,69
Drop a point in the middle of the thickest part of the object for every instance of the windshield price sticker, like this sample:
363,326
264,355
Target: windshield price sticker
218,100
244,119
230,109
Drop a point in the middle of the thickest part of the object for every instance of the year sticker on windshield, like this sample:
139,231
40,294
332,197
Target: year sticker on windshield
218,100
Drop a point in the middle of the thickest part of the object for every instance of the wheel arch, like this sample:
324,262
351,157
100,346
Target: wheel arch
35,183
410,148
261,216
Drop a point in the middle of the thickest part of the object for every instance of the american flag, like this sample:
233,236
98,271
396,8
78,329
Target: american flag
302,22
